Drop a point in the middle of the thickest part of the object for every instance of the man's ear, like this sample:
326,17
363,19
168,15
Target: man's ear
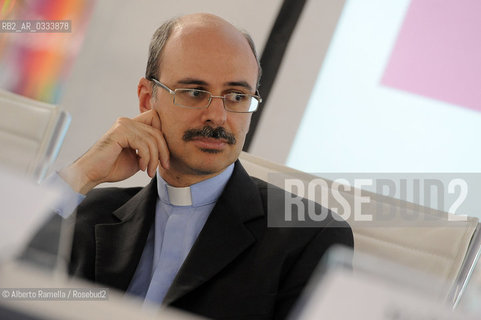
144,92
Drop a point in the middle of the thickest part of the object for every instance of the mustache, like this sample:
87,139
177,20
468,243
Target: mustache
209,132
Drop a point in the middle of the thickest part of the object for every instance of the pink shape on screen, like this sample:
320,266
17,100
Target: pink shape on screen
438,52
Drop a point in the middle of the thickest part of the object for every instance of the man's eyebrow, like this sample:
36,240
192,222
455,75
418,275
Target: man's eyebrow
239,84
192,81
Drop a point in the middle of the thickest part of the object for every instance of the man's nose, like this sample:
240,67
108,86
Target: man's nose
216,112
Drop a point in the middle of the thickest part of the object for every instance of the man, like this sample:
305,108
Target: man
196,237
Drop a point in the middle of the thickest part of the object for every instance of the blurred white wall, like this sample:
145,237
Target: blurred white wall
112,59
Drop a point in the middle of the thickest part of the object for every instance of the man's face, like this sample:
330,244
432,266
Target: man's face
218,60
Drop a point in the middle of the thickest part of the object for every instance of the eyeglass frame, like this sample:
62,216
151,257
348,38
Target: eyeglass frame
173,92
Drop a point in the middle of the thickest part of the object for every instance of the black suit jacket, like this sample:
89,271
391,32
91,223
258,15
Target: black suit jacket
238,268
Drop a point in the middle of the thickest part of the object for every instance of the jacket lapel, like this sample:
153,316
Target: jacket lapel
119,246
224,236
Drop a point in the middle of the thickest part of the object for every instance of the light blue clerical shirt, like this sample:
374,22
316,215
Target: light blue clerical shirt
180,215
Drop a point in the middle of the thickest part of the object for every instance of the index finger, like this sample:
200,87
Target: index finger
150,118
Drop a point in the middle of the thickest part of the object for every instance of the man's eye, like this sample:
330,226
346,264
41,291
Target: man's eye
196,93
237,97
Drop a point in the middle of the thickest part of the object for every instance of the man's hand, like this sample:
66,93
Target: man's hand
129,146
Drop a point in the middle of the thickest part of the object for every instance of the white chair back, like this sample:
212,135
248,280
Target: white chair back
31,133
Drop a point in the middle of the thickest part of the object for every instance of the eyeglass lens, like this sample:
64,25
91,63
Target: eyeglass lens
194,98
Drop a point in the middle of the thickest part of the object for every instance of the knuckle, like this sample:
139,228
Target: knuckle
122,121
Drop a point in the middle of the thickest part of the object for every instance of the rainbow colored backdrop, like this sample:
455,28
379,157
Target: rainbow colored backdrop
36,65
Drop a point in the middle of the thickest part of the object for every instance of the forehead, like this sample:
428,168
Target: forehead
214,53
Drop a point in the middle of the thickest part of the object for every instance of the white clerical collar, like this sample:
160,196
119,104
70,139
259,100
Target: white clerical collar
199,194
179,196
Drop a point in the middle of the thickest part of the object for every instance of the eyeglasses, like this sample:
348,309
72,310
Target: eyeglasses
200,99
